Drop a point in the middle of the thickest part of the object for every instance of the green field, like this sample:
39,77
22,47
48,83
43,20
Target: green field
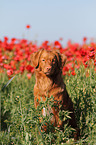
20,123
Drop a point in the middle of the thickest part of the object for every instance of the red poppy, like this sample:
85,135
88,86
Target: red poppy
83,52
69,43
1,64
28,26
16,54
91,48
6,38
92,54
45,45
65,68
13,65
16,72
64,73
29,76
7,66
61,38
94,62
0,59
73,73
84,39
9,72
69,53
22,68
13,40
30,68
57,44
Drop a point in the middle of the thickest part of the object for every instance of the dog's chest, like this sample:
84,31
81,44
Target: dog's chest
44,84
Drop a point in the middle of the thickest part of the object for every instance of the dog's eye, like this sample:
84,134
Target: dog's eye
53,60
43,59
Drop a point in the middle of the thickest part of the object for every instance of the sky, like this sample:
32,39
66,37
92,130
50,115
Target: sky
49,19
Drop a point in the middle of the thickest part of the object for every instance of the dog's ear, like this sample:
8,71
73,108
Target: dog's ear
35,58
61,59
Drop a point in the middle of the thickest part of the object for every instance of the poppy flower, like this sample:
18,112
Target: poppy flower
69,53
91,48
6,38
64,73
45,44
57,44
65,68
92,54
94,62
60,38
13,40
29,76
9,72
7,66
73,73
28,26
22,68
83,52
0,59
30,68
84,39
16,54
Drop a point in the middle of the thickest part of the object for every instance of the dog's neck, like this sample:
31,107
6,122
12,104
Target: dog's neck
49,84
51,79
55,75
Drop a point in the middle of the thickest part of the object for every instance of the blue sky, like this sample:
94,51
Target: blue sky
49,19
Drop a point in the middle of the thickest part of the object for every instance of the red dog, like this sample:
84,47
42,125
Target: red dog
49,82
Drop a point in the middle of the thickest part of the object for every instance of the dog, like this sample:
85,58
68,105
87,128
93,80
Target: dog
49,82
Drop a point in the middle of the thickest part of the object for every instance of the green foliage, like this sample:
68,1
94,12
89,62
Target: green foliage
22,123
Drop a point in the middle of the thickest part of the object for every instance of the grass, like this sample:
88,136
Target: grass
20,124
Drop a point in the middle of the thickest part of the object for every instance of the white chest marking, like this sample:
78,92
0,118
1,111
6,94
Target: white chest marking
44,111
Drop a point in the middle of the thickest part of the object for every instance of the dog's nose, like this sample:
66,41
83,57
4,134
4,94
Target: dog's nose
48,68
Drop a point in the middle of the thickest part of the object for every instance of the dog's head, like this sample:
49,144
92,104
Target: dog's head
48,61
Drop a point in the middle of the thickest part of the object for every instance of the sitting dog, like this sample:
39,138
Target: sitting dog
49,82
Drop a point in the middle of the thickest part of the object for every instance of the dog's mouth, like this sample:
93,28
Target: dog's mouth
48,73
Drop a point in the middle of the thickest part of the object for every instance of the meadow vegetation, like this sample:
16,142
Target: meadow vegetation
20,123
